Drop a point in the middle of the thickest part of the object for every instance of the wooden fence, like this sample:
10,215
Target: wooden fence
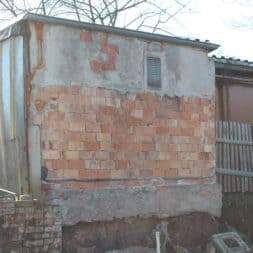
234,156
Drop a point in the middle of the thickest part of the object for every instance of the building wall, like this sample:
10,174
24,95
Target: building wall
112,147
234,102
28,226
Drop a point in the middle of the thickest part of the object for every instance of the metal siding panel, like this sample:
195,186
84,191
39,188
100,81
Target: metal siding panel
3,170
6,100
12,128
35,160
20,112
6,87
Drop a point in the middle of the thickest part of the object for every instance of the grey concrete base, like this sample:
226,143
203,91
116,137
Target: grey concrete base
133,250
104,204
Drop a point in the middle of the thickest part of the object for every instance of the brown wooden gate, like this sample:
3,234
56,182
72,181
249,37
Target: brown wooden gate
234,156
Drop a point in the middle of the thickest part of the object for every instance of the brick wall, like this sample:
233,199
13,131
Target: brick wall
28,226
97,133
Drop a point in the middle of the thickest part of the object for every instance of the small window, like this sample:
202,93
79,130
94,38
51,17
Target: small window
154,72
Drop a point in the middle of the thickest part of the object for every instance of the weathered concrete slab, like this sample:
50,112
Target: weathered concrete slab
121,202
133,250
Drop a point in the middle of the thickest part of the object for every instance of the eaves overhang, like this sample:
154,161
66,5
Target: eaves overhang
16,28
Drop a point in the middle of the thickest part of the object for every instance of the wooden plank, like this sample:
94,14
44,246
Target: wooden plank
231,136
234,151
244,133
224,157
250,159
218,152
226,135
238,185
240,173
247,155
230,141
241,156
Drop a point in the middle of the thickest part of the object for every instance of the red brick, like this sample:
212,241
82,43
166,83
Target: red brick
58,145
149,134
74,90
76,145
74,117
88,137
150,164
59,164
51,154
109,164
93,174
86,155
73,135
86,36
128,104
55,135
112,102
54,174
107,128
73,173
77,126
203,117
119,174
102,155
55,116
171,172
209,133
122,164
40,105
162,130
132,121
107,146
92,127
92,164
110,49
204,156
76,164
91,146
104,137
96,66
146,173
90,118
109,110
68,98
71,155
144,130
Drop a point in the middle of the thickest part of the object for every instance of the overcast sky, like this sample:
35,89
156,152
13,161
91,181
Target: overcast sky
216,20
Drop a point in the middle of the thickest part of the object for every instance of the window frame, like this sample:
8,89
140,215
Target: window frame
161,56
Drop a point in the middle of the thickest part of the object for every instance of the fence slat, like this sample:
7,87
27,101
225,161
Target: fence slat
234,152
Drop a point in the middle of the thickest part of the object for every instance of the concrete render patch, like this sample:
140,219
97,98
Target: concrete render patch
186,71
103,204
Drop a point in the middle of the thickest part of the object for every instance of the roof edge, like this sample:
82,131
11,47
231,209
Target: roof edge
207,46
232,63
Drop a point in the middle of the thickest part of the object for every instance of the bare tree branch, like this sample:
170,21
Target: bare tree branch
140,14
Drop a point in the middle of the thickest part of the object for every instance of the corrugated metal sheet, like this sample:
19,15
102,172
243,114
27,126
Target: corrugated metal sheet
13,166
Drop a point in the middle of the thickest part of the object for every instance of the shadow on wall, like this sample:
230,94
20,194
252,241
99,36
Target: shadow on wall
138,235
237,210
